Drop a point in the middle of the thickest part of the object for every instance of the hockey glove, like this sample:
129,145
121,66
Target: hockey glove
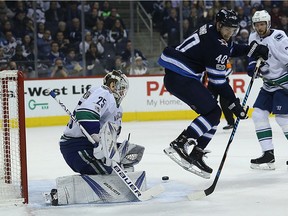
258,51
238,110
252,65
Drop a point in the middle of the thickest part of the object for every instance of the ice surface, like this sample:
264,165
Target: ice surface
240,190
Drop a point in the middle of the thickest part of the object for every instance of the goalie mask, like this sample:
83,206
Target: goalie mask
121,84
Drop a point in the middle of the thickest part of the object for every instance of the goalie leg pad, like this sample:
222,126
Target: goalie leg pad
81,189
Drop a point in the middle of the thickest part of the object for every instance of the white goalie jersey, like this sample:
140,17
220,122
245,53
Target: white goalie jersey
276,67
97,105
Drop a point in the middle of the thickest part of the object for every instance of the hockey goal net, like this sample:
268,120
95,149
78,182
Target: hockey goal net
13,168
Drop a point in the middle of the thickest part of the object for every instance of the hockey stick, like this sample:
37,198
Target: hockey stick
273,82
140,195
200,194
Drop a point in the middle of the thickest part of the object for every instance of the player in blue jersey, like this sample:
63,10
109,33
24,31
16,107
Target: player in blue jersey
96,107
271,98
207,49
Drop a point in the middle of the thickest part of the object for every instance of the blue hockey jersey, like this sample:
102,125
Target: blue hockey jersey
204,50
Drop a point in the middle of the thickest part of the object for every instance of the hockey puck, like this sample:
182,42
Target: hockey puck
165,178
286,162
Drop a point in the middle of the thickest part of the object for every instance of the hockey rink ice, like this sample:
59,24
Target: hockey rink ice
240,190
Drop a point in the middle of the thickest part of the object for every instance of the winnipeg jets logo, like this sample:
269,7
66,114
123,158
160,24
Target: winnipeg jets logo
223,42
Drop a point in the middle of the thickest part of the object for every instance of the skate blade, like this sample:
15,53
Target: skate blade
264,166
172,154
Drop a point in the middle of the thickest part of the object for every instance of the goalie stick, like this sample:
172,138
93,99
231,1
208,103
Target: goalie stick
140,195
200,194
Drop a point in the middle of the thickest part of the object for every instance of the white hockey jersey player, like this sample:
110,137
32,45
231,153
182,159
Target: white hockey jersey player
276,67
273,96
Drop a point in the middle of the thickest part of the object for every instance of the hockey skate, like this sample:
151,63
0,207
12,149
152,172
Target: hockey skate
180,145
51,198
265,162
196,164
178,152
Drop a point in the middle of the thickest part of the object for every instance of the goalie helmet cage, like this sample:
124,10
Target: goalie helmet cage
13,162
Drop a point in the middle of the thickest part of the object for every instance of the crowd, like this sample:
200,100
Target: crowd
56,43
60,52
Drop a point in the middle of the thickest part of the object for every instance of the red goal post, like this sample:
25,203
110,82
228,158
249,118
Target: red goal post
13,162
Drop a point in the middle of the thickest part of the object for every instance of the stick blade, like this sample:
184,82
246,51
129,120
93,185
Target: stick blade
196,195
152,192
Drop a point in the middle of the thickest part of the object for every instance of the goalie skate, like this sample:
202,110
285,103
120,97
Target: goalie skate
171,153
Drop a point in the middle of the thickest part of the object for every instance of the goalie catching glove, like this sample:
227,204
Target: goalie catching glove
238,110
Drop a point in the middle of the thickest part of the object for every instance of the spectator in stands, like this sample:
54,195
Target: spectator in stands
19,23
187,31
6,26
138,68
52,16
97,6
9,44
19,6
20,60
3,60
91,18
59,70
73,11
100,34
127,57
86,6
240,64
63,42
44,45
12,65
110,20
73,63
284,24
54,53
40,13
186,8
167,9
5,11
207,17
245,21
27,45
93,61
119,65
157,12
29,28
275,17
284,8
194,19
62,27
105,9
75,36
170,29
88,40
117,34
40,30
